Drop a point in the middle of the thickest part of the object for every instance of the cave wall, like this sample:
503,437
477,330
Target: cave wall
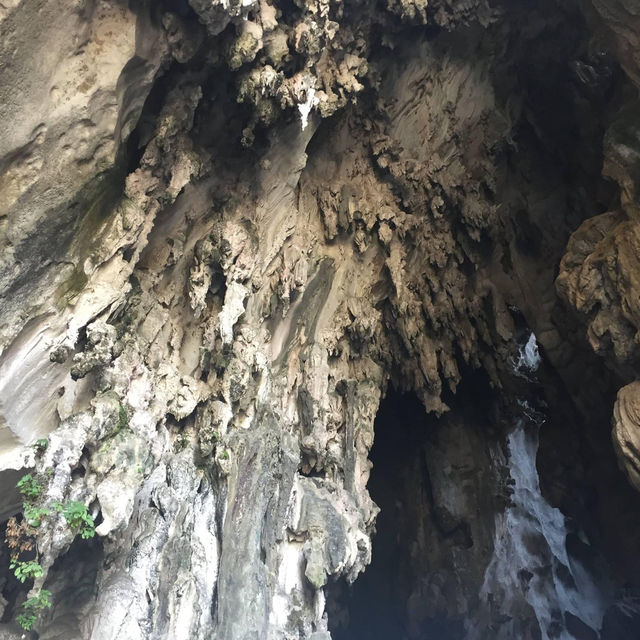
228,228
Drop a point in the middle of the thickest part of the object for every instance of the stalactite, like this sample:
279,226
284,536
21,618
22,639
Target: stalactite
237,236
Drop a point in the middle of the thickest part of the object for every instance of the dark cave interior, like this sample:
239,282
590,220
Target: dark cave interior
439,486
402,593
374,610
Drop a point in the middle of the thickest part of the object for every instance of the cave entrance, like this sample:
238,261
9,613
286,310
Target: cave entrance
373,606
431,477
376,605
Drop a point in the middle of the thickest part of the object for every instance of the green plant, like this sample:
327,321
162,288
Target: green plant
56,505
33,515
224,455
32,607
21,537
25,570
79,519
29,487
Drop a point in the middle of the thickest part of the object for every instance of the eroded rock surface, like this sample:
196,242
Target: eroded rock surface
227,228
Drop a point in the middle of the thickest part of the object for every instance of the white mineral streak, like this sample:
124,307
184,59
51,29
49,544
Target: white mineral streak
28,392
232,310
290,578
528,358
306,107
530,544
530,549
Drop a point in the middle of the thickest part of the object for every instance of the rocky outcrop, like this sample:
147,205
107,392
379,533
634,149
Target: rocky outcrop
619,21
227,230
599,274
74,82
626,431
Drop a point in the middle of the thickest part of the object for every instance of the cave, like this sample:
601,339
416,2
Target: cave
490,526
321,318
423,550
375,602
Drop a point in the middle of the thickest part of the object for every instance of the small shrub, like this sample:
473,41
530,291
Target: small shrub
32,608
79,519
29,487
25,570
21,536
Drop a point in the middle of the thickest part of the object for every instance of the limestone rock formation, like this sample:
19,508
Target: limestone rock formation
231,232
600,274
626,431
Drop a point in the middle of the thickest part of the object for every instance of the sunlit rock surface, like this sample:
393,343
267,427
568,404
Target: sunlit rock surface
230,230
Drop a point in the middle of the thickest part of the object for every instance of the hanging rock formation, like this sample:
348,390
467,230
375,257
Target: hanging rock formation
230,229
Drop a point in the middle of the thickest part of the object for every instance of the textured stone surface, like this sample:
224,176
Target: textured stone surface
228,227
626,431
